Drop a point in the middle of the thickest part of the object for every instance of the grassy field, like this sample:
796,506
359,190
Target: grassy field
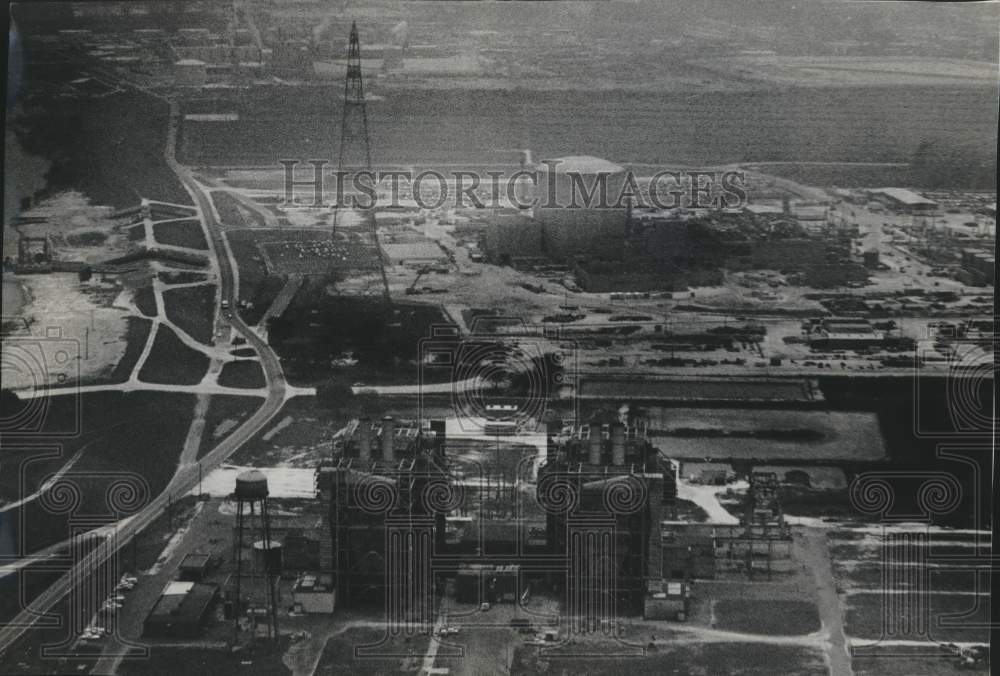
136,337
225,413
181,276
317,327
109,424
771,617
231,212
340,655
864,617
307,433
256,285
192,309
171,362
186,233
734,659
929,660
171,660
145,300
75,138
245,373
136,233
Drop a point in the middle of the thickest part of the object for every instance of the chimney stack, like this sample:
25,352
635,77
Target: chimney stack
365,439
388,439
595,443
617,444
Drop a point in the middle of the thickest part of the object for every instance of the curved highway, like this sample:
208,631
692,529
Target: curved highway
186,476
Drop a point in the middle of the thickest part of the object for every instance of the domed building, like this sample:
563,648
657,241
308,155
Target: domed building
576,206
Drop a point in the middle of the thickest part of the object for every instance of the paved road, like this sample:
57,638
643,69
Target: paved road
186,476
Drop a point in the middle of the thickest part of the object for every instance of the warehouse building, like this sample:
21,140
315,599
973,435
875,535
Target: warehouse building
424,252
182,610
904,201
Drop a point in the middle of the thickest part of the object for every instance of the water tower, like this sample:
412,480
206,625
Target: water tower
253,522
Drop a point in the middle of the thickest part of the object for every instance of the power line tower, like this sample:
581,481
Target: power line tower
362,244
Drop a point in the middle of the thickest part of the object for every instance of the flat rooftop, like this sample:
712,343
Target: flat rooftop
904,196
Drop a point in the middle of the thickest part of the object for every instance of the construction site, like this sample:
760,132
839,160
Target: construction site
442,436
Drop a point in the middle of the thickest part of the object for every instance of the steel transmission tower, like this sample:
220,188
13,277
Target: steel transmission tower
354,138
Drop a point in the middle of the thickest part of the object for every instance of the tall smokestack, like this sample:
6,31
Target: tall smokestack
617,444
365,438
595,443
388,439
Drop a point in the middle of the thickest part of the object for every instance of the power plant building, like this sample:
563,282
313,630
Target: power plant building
577,207
392,494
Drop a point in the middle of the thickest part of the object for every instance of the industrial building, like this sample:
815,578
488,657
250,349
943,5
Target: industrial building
904,201
848,333
605,490
570,228
509,239
425,252
590,532
378,495
181,611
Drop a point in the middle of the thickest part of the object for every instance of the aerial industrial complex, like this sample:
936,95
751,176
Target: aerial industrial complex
592,411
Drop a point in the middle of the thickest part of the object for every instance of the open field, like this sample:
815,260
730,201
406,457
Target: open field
109,424
225,413
298,436
681,659
244,373
192,309
722,389
172,362
317,328
257,286
138,334
181,277
772,617
66,331
885,597
186,233
168,660
712,433
929,660
864,618
232,213
145,300
344,653
75,139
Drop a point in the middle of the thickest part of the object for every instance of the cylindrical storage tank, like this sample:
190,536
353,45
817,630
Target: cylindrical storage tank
595,443
617,444
365,438
268,556
388,439
251,485
578,207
